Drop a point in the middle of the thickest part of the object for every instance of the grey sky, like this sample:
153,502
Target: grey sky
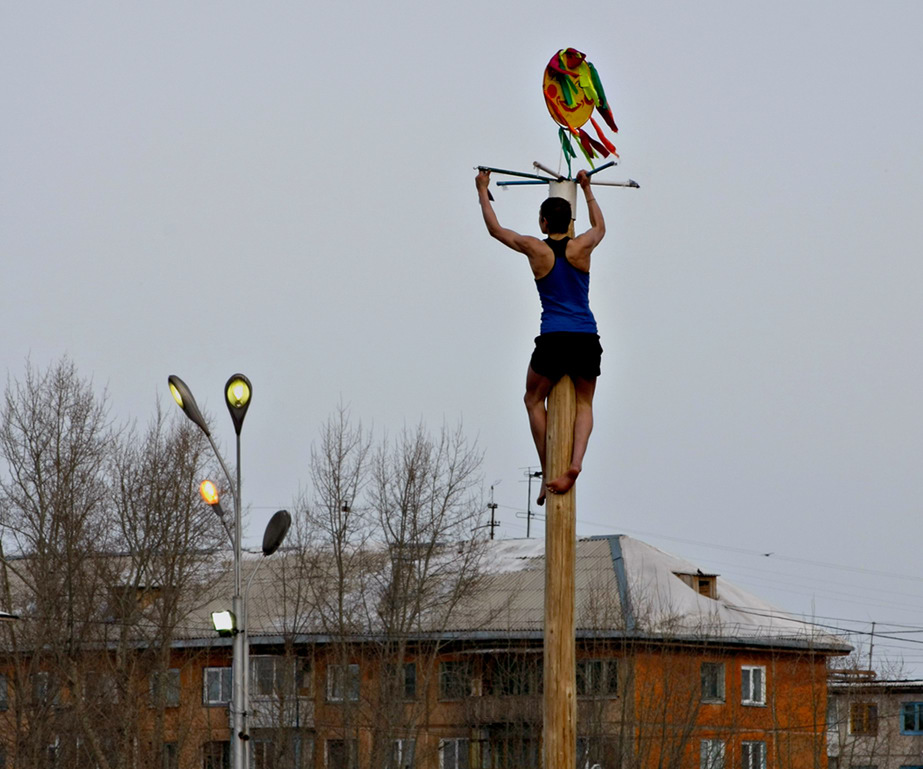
286,189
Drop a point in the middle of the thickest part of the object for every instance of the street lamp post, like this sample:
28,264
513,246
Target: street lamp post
237,392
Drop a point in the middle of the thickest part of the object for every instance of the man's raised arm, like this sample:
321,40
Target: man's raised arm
522,243
591,238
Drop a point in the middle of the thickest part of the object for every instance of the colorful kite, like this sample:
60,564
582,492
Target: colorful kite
572,91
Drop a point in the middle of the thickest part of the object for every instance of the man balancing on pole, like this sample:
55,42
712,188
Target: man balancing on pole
568,343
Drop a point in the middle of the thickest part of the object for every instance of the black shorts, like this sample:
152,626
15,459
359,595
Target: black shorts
565,352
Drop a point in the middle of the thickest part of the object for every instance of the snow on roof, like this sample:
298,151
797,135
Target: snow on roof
625,588
900,685
661,602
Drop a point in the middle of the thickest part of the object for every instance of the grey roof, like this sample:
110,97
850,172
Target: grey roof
625,588
914,685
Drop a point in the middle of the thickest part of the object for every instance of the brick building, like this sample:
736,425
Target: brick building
676,668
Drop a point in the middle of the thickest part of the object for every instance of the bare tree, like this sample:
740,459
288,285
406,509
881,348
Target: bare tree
55,439
102,549
380,569
425,506
166,538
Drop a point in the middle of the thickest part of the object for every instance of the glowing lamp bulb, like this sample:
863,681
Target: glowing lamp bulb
238,393
176,395
209,492
224,622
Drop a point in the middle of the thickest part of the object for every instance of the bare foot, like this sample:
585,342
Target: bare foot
541,495
562,484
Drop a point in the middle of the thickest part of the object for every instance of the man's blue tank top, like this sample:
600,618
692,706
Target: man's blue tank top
565,295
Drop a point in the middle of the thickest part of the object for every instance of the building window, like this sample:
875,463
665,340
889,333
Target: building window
272,675
216,686
863,718
170,756
216,755
753,755
304,751
262,754
280,748
404,680
596,751
504,750
515,677
912,718
454,680
712,674
453,754
711,754
597,678
100,687
342,754
45,689
342,683
753,685
402,754
165,688
4,693
704,584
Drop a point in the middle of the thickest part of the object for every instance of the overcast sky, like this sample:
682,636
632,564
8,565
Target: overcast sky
286,189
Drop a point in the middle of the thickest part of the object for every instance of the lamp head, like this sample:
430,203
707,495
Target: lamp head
275,532
237,394
185,400
224,622
209,493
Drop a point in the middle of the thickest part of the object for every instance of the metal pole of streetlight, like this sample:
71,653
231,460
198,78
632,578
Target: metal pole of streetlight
239,388
241,645
239,699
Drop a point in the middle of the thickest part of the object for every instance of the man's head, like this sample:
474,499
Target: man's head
556,214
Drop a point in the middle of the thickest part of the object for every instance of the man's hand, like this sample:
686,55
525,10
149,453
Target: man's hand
585,243
482,179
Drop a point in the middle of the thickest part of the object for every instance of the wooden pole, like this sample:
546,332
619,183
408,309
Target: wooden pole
559,733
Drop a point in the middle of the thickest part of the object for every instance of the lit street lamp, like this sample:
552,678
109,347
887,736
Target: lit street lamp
237,393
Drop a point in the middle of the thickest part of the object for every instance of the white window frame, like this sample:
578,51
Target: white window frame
343,682
711,754
459,746
225,679
747,694
402,753
753,754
